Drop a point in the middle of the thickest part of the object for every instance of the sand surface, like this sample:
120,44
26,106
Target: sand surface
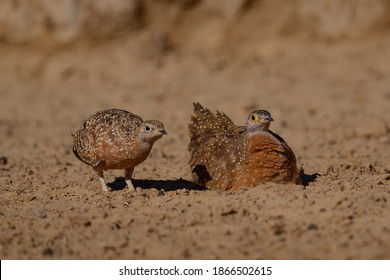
330,102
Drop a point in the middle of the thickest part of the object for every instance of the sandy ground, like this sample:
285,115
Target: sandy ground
330,102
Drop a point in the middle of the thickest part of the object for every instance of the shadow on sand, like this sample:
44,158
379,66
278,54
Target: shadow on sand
173,185
166,185
308,178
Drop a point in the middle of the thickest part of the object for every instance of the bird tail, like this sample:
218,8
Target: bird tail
200,126
83,150
204,122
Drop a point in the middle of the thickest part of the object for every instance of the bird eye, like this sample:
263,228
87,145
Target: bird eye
255,118
147,128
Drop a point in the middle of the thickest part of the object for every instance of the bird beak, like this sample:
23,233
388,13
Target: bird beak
270,119
163,131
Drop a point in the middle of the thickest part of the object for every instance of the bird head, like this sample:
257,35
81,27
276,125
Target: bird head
259,119
151,131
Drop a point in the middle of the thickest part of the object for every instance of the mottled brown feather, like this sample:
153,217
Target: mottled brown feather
115,139
226,156
204,124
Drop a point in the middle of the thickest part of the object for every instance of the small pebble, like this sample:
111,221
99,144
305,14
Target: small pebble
346,186
48,252
312,227
3,161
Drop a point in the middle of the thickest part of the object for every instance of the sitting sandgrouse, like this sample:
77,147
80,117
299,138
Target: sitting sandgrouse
229,157
115,139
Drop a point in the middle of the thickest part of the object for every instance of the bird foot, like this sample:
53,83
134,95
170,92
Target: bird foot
130,185
104,185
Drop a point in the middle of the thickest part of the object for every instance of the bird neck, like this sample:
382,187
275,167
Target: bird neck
258,129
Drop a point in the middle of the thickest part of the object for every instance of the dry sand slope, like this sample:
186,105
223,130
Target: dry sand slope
330,103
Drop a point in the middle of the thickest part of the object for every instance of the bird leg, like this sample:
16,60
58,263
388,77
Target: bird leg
128,174
102,181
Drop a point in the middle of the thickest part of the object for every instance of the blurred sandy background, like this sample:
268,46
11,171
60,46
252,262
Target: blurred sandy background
320,67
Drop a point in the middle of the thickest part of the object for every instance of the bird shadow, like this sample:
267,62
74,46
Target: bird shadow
166,185
172,185
306,179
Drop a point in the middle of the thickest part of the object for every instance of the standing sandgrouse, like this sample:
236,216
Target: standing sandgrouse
115,139
228,157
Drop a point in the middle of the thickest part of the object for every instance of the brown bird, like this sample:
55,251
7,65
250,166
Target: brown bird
115,139
226,156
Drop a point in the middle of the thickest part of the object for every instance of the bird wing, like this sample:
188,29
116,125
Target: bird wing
214,142
214,160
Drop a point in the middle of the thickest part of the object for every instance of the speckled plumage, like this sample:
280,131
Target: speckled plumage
115,139
226,156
